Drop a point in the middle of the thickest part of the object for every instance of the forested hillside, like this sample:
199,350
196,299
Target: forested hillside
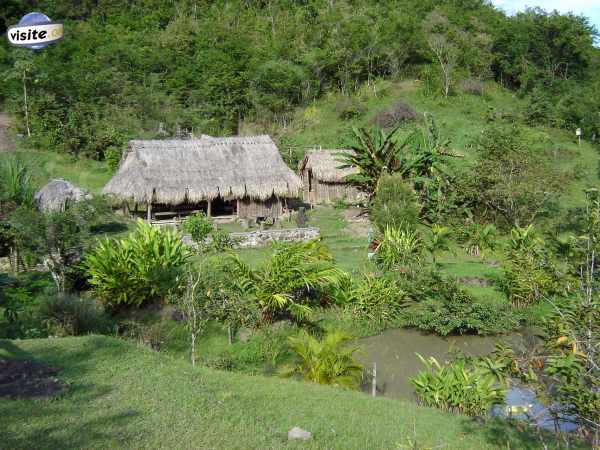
149,68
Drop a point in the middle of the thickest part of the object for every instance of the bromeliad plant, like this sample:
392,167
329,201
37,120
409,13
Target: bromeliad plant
325,361
288,283
144,266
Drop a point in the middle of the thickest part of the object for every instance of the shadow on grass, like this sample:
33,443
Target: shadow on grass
49,422
109,228
500,433
53,425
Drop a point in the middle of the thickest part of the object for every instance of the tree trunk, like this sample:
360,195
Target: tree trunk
26,107
193,352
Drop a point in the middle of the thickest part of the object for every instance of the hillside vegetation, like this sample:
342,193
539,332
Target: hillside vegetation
153,68
124,396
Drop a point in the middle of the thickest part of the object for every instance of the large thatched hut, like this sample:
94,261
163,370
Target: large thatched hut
58,194
324,181
234,176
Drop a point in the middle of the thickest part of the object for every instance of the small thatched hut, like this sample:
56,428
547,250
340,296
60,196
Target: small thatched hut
233,176
58,194
323,180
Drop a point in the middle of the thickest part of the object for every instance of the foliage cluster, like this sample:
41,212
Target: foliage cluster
329,360
465,385
142,267
445,308
290,282
530,273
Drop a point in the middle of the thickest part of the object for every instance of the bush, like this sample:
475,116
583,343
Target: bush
326,361
396,114
290,282
530,273
375,299
464,386
142,267
399,249
70,315
349,108
198,226
221,240
473,87
395,204
112,155
445,308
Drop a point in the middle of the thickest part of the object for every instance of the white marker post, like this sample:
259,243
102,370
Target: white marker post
578,134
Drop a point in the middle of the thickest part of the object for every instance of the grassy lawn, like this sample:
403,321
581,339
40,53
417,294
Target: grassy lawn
124,396
349,251
89,174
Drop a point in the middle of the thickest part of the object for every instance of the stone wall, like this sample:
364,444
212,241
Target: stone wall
260,238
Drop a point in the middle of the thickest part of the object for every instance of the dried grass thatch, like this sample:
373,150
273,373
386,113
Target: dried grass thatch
194,170
325,165
58,194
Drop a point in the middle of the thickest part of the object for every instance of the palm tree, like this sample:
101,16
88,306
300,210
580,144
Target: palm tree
375,153
327,361
438,240
482,238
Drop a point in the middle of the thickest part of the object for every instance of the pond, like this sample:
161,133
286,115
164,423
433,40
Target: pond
395,353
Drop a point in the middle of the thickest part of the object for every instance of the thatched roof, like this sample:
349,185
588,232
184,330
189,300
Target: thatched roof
193,170
325,165
58,194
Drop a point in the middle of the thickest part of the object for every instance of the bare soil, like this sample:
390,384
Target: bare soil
28,379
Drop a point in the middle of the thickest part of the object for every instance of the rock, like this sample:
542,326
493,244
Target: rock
299,433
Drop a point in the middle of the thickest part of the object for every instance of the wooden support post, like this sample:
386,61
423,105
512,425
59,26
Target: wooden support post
374,385
208,209
149,212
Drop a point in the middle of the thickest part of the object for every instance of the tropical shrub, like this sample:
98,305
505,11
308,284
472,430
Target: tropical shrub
220,240
395,204
71,315
443,307
290,281
377,300
198,226
467,387
325,361
144,266
529,274
480,238
349,108
439,240
375,153
511,184
399,249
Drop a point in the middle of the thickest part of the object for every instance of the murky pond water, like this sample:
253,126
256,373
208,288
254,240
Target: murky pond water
395,353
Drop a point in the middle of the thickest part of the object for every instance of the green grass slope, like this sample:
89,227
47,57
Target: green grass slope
124,396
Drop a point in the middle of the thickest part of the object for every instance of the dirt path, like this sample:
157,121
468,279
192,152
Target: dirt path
6,143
